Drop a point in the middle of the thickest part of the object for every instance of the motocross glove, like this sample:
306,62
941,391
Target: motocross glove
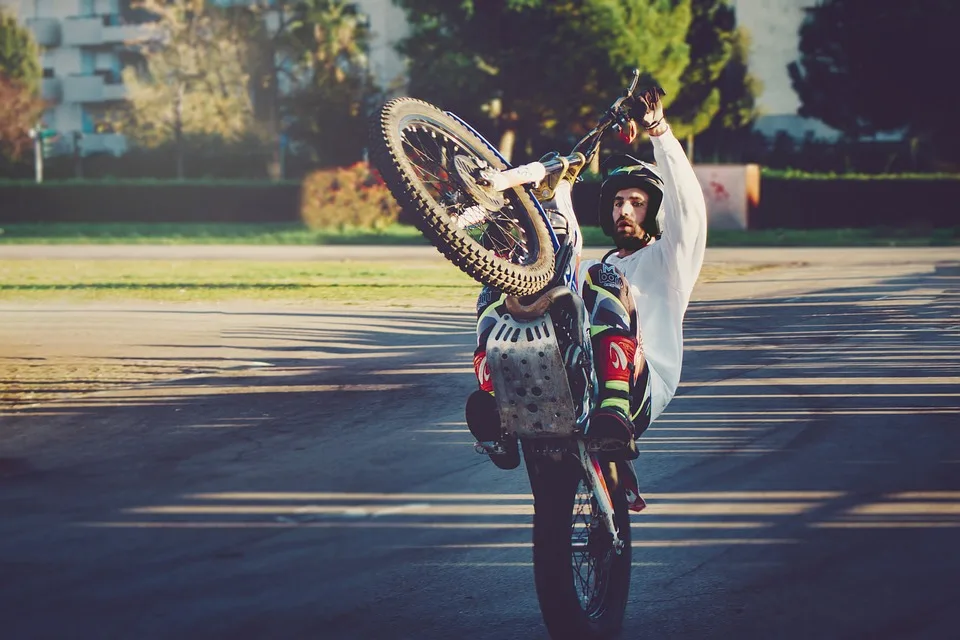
648,110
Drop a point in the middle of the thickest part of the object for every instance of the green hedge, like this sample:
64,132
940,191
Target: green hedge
796,200
788,200
150,201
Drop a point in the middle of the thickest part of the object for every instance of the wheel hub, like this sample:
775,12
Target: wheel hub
471,175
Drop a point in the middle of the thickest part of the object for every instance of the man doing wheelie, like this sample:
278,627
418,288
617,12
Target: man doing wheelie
636,296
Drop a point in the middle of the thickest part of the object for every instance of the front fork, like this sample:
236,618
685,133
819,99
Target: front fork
601,492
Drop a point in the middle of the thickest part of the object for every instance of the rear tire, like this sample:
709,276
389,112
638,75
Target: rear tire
423,154
573,605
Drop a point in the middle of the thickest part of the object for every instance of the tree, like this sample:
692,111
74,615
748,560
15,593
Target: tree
731,127
20,103
867,67
532,67
193,82
20,111
19,56
711,39
328,108
309,76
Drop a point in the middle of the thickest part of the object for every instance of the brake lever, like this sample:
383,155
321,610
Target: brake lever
616,110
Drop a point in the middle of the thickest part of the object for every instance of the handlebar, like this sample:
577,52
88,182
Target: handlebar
617,115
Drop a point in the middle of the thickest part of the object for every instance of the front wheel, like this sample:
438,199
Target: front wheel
582,583
431,164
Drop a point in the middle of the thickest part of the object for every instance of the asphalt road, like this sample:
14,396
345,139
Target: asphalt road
805,483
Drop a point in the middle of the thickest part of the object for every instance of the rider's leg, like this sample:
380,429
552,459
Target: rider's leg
623,407
483,417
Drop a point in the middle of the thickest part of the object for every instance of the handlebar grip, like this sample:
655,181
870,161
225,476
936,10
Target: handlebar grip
524,174
634,82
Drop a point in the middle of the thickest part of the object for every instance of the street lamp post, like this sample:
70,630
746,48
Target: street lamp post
37,134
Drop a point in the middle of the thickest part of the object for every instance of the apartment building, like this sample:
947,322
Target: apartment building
84,44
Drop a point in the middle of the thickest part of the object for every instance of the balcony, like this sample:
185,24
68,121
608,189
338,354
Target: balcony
101,87
114,91
46,31
51,90
78,32
118,34
106,29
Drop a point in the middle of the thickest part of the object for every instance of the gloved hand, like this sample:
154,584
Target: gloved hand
648,110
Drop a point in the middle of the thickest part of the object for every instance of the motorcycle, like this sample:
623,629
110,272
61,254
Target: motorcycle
491,221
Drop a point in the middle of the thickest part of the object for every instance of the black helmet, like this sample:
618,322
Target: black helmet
625,172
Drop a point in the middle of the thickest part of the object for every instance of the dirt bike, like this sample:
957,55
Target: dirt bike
490,220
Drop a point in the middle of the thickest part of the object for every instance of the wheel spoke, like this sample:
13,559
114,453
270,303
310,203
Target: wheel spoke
431,161
431,151
591,565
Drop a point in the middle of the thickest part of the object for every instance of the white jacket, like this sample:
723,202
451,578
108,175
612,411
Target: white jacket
662,274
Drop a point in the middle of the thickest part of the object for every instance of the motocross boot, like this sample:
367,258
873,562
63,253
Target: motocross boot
483,420
610,428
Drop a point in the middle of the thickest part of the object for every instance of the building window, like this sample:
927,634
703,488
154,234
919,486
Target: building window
88,125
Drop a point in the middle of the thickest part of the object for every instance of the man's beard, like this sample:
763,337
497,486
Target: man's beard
630,242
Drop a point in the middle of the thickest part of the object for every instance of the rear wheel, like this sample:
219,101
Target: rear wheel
431,163
582,583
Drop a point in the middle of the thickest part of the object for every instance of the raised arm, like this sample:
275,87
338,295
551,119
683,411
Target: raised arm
684,229
685,211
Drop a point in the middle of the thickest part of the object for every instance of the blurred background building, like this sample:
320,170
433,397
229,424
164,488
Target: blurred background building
774,27
83,49
86,43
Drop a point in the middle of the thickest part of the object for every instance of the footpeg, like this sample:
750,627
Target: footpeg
489,447
597,445
600,446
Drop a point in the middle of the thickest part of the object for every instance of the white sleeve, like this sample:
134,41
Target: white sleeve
684,227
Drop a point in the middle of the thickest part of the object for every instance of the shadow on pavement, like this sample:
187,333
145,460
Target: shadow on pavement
806,478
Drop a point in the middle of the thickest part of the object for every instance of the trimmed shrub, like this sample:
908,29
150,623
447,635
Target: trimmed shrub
351,196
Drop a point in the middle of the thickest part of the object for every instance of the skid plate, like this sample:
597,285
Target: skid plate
529,379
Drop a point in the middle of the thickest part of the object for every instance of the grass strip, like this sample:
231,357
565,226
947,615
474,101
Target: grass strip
407,284
410,284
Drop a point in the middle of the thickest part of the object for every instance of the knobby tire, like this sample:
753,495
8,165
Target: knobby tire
565,616
436,221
